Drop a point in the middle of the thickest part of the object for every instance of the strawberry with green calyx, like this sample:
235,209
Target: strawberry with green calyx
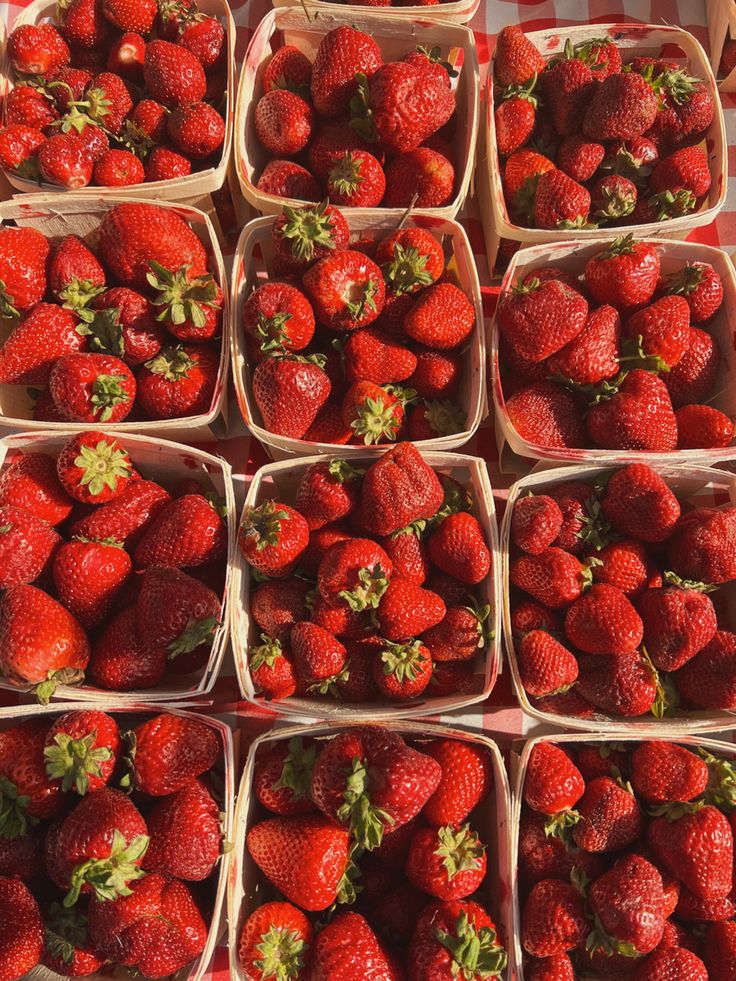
92,387
515,117
81,750
375,412
664,205
627,903
446,862
282,776
271,668
275,941
290,391
463,630
407,271
302,235
402,671
701,286
633,412
94,468
457,939
178,381
429,420
721,789
327,492
176,611
67,949
272,536
356,571
356,179
183,298
319,658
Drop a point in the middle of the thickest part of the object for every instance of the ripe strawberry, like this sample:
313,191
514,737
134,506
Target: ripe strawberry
671,962
162,927
31,483
459,635
289,393
81,750
131,234
35,49
107,101
276,606
685,169
696,847
625,564
354,572
638,415
553,784
272,668
568,86
560,202
579,157
176,612
514,119
536,522
327,492
553,919
348,945
593,355
515,59
279,317
356,180
700,548
708,680
610,818
701,287
204,36
276,937
282,776
662,772
342,54
445,862
44,334
126,57
539,319
272,536
319,658
188,531
94,468
283,122
185,834
663,328
345,289
302,235
88,577
128,16
164,164
65,160
84,26
556,968
286,179
118,168
628,901
466,778
701,426
190,307
19,146
173,75
304,856
526,616
625,274
170,751
411,258
441,318
639,504
623,106
603,621
677,624
621,686
719,951
423,176
401,671
602,760
92,387
520,177
375,356
398,489
545,665
147,122
406,610
451,939
41,641
288,68
123,325
429,420
458,547
27,794
68,950
554,577
27,546
21,927
75,276
23,255
613,198
179,381
373,412
31,106
125,517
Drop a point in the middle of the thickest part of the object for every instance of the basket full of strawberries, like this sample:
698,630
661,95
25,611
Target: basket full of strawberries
367,589
112,841
346,107
118,94
412,877
113,565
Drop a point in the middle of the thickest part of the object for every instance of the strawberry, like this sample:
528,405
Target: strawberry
348,945
345,289
662,772
289,393
272,668
179,381
92,387
355,571
398,489
302,235
356,180
700,546
625,565
520,177
579,157
25,104
623,106
41,641
327,492
35,49
429,420
553,784
628,903
671,962
31,483
602,760
342,54
695,843
187,532
545,665
286,179
621,686
127,56
27,546
375,356
190,307
123,325
319,658
160,925
402,671
685,169
719,951
610,818
526,616
21,927
592,356
459,635
553,919
288,68
75,277
118,168
560,202
164,164
458,547
554,577
411,258
304,856
283,122
204,36
556,968
19,145
279,317
536,522
445,862
185,834
282,775
107,101
603,621
677,624
44,334
541,318
68,950
132,234
27,793
423,176
405,610
128,16
455,938
88,576
169,752
81,750
577,502
147,122
663,328
638,502
708,680
568,86
94,468
65,160
367,778
613,198
120,662
173,75
625,274
637,415
272,536
441,318
373,412
359,685
466,778
276,606
514,119
126,516
701,286
276,938
515,59
700,426
84,25
175,611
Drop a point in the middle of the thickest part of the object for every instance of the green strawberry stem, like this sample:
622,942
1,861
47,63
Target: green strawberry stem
375,420
107,392
308,228
475,953
341,470
672,204
195,633
676,809
181,297
599,940
672,579
666,698
687,280
73,761
7,310
633,350
109,877
721,789
434,54
273,331
360,110
14,816
102,466
595,530
372,584
444,417
403,661
367,301
366,822
69,677
266,654
172,362
560,825
263,521
344,175
281,954
74,120
79,293
96,103
103,329
328,686
296,773
407,270
460,850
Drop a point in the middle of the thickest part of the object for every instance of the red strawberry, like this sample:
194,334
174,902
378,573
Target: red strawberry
445,862
568,86
708,680
554,577
31,106
304,856
286,179
75,276
405,610
459,635
515,59
187,532
345,289
441,318
190,307
359,685
92,387
319,658
560,202
21,929
43,335
289,393
173,75
613,198
685,169
701,426
458,547
348,945
276,937
546,415
35,49
128,16
354,572
579,157
170,751
638,415
593,355
603,621
120,662
279,317
677,624
453,938
22,268
179,381
541,318
625,564
162,927
164,164
282,776
288,68
94,468
602,760
283,122
520,177
327,492
373,412
27,546
663,329
175,611
662,772
125,517
527,616
204,36
719,951
302,235
514,119
545,666
272,668
398,489
610,818
625,274
68,950
411,258
638,502
628,902
272,536
124,326
700,547
466,778
535,523
88,577
424,176
556,968
620,686
553,919
701,287
342,54
118,168
84,25
553,784
65,160
402,671
127,56
694,376
27,793
373,355
696,847
671,962
185,834
19,145
81,750
623,106
277,605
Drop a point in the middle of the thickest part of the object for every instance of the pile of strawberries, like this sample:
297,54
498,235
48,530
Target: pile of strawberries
586,140
92,560
90,876
365,818
125,326
352,333
355,129
620,357
626,863
122,92
618,607
370,583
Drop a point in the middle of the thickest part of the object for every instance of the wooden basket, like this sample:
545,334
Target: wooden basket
280,480
196,188
634,40
395,36
80,215
698,486
453,11
225,770
253,265
490,819
166,463
721,18
673,255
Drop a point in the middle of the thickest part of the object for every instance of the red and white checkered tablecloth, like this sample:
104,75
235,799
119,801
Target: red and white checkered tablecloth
499,716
